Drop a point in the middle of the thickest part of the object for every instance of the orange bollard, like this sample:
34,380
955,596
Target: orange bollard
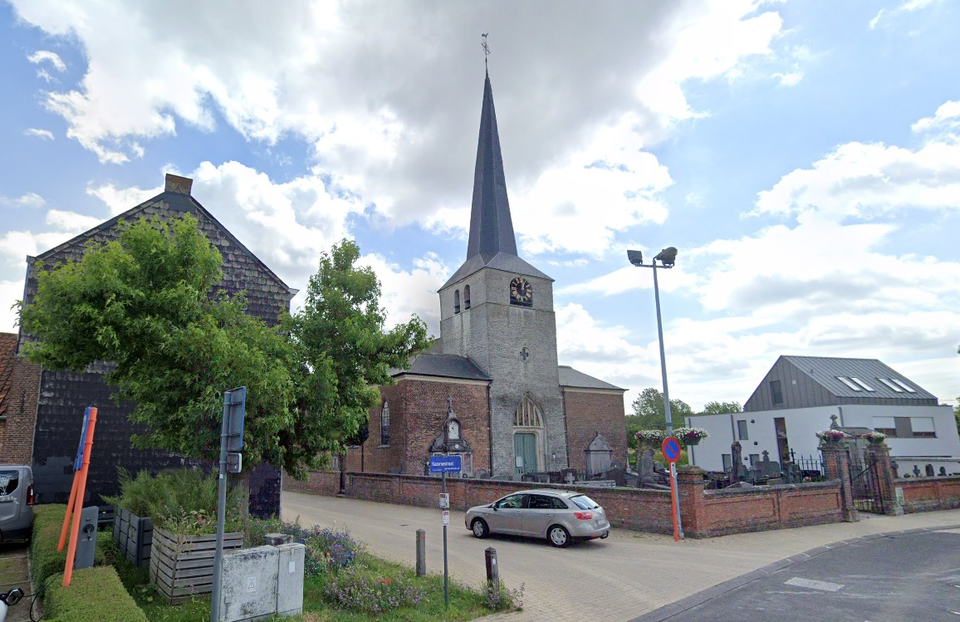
78,502
68,513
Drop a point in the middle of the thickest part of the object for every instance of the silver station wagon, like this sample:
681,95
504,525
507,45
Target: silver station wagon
557,515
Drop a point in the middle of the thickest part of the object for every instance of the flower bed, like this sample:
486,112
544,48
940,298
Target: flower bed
832,436
690,436
650,438
874,438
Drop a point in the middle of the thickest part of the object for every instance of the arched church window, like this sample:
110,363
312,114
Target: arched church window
385,424
528,414
466,297
456,301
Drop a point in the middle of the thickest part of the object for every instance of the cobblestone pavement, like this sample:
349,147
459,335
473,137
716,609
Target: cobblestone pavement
617,579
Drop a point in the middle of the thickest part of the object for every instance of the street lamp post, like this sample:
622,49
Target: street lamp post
667,258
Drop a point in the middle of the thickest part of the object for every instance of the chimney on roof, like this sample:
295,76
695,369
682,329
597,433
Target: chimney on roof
175,183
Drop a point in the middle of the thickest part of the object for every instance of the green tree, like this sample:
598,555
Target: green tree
344,349
149,304
718,408
649,413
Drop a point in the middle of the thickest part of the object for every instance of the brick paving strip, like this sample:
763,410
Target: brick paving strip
15,572
628,575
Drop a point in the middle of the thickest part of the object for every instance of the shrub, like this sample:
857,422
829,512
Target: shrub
94,594
652,438
183,501
503,599
356,589
328,550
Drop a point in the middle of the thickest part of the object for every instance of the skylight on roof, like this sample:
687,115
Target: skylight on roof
849,383
906,387
890,384
866,387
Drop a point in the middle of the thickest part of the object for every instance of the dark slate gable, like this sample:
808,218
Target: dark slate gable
575,379
64,395
442,366
267,295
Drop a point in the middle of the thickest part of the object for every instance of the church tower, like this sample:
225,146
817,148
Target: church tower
497,311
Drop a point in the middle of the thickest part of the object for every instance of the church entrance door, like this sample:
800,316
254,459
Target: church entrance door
525,450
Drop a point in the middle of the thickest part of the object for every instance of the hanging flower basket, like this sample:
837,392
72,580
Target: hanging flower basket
832,436
690,436
650,438
874,438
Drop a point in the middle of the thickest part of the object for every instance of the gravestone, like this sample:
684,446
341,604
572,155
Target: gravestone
737,470
768,468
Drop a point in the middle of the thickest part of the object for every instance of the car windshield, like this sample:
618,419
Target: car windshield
584,502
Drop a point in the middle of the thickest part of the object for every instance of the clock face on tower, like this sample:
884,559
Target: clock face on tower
521,292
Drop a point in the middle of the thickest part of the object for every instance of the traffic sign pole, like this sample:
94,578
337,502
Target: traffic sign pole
671,453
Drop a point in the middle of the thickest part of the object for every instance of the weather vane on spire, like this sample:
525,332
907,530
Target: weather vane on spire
486,48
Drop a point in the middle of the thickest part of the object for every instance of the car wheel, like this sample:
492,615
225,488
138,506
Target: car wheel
479,527
559,536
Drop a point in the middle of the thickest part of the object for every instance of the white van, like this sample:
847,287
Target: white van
16,502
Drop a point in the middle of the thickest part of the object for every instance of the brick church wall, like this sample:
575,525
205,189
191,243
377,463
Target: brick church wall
417,410
589,412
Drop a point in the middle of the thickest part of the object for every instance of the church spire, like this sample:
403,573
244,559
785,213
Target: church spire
491,228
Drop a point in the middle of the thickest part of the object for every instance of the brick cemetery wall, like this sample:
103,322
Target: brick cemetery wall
925,494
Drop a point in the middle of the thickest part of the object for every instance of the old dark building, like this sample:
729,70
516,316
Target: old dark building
63,395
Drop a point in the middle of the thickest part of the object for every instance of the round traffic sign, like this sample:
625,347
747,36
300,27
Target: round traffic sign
671,449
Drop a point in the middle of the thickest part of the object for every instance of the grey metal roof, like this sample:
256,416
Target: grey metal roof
491,228
826,371
443,366
570,377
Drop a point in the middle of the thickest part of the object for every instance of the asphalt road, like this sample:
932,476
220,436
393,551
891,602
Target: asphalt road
898,578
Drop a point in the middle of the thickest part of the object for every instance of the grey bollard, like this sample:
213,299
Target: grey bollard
493,573
421,552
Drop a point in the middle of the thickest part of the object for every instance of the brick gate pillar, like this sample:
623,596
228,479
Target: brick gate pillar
836,465
880,453
690,483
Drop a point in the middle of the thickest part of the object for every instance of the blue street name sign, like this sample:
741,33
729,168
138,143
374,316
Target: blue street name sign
444,464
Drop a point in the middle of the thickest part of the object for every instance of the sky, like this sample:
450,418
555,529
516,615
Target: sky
803,156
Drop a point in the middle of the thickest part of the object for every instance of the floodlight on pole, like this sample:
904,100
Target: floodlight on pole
667,258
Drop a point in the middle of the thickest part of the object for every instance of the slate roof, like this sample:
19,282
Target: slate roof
442,366
570,377
491,242
8,351
267,294
826,370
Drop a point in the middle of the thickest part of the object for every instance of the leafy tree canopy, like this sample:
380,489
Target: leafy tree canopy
718,408
649,412
148,303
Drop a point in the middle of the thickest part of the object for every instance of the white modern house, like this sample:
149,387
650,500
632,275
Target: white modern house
800,395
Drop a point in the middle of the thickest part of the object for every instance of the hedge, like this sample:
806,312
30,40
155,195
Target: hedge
95,595
89,588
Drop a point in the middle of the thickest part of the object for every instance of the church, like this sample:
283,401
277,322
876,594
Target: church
493,376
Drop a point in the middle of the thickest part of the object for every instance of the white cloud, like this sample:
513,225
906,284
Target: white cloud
947,117
908,6
338,77
45,134
119,200
868,181
410,292
10,291
46,56
30,199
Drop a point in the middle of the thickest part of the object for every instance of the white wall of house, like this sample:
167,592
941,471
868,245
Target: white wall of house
803,423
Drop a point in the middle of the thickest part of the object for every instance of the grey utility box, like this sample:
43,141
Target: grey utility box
290,579
86,537
260,582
